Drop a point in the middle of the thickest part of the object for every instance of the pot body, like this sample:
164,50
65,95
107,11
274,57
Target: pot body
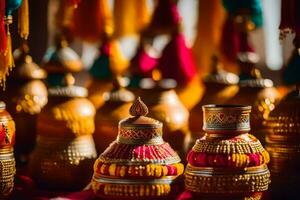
25,101
282,141
65,151
227,161
7,160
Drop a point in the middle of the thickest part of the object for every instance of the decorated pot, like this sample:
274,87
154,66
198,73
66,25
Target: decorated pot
282,142
115,108
139,163
7,160
227,162
256,91
26,95
220,86
65,150
165,106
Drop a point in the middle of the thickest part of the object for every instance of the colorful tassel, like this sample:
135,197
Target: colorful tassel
7,60
177,61
2,29
130,16
93,19
166,17
210,22
110,62
23,20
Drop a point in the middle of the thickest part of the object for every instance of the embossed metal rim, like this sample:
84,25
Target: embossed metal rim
109,180
209,171
71,91
226,107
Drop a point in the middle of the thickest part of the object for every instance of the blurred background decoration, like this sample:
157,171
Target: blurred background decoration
93,57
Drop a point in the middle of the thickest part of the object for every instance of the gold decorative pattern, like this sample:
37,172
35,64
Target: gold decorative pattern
228,147
234,118
138,108
211,180
7,172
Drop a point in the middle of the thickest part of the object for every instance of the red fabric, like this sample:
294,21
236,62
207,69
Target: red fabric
290,15
220,160
177,61
26,189
143,152
3,39
233,41
188,195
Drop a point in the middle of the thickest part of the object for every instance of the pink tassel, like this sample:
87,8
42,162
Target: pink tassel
177,61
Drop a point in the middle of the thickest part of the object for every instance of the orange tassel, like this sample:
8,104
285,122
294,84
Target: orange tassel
210,23
9,55
92,19
130,16
23,20
7,60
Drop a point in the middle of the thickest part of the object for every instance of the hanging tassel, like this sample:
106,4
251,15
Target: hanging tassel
166,17
118,63
130,16
7,60
9,55
177,61
23,20
2,29
92,19
209,31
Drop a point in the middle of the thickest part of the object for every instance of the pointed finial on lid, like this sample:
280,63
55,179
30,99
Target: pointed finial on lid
138,108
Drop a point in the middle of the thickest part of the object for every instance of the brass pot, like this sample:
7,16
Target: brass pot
227,161
259,93
65,147
165,106
115,108
7,160
282,141
26,95
138,163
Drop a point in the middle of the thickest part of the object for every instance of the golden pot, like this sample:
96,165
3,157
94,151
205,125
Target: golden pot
282,141
115,108
227,161
138,163
7,160
257,92
165,106
65,147
220,86
26,95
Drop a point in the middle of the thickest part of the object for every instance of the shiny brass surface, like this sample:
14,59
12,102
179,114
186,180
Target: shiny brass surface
65,150
116,107
7,160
